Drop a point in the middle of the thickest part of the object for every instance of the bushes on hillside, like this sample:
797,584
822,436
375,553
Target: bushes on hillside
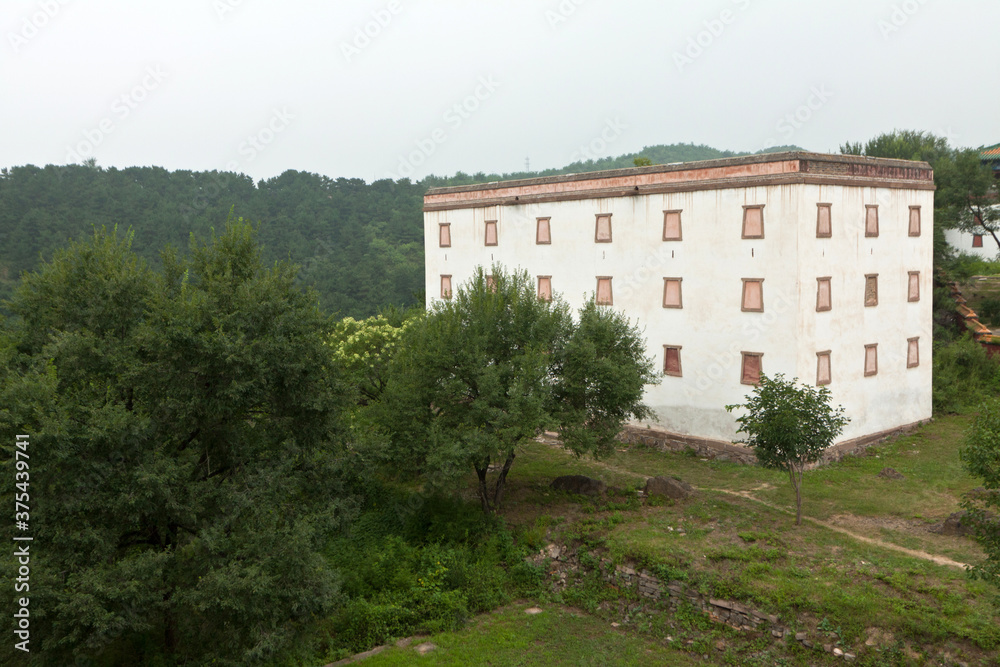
422,564
963,375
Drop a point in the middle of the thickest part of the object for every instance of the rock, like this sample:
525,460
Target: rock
799,636
890,473
838,652
532,610
982,493
669,487
954,525
425,648
403,643
579,484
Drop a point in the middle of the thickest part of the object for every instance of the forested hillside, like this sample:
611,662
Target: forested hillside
359,244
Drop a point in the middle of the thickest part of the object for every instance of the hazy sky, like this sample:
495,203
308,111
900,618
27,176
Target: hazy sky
377,89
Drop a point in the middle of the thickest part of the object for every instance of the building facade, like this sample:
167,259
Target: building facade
815,266
981,245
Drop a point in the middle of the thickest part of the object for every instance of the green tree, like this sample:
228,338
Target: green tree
789,426
970,195
601,375
981,457
486,371
185,470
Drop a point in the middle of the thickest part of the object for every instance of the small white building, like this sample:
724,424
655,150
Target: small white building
980,245
815,266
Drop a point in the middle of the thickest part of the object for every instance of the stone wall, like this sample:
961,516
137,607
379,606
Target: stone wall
717,450
563,560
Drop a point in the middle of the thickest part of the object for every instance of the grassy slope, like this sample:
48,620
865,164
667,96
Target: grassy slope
511,637
912,610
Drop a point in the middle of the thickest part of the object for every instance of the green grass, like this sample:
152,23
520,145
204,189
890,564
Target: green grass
736,539
557,636
740,548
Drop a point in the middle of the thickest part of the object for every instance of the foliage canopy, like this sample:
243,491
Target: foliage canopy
981,457
789,426
491,368
184,465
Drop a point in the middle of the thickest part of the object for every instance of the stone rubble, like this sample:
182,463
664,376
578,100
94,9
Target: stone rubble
727,612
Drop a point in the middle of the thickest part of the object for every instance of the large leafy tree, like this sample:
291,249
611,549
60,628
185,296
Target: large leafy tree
981,457
483,373
184,460
601,373
789,426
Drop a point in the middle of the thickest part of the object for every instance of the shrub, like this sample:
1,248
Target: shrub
963,375
989,310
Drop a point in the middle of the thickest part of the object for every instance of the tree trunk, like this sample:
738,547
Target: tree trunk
484,494
978,215
797,485
169,635
502,481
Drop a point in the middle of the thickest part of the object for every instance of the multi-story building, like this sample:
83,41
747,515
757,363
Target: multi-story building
815,266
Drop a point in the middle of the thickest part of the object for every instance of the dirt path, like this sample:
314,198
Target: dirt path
939,560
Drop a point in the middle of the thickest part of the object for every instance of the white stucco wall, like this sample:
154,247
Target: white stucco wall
713,259
962,242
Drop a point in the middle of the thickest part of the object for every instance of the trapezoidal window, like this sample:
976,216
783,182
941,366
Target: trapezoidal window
871,290
604,296
750,372
912,352
602,231
672,293
672,225
753,222
672,360
871,219
491,232
824,228
543,231
444,235
545,288
913,286
824,300
822,368
753,295
871,359
445,287
914,221
977,240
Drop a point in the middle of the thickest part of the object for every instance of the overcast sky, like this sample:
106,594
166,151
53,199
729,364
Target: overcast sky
392,88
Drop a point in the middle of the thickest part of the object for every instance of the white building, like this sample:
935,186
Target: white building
815,266
980,245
